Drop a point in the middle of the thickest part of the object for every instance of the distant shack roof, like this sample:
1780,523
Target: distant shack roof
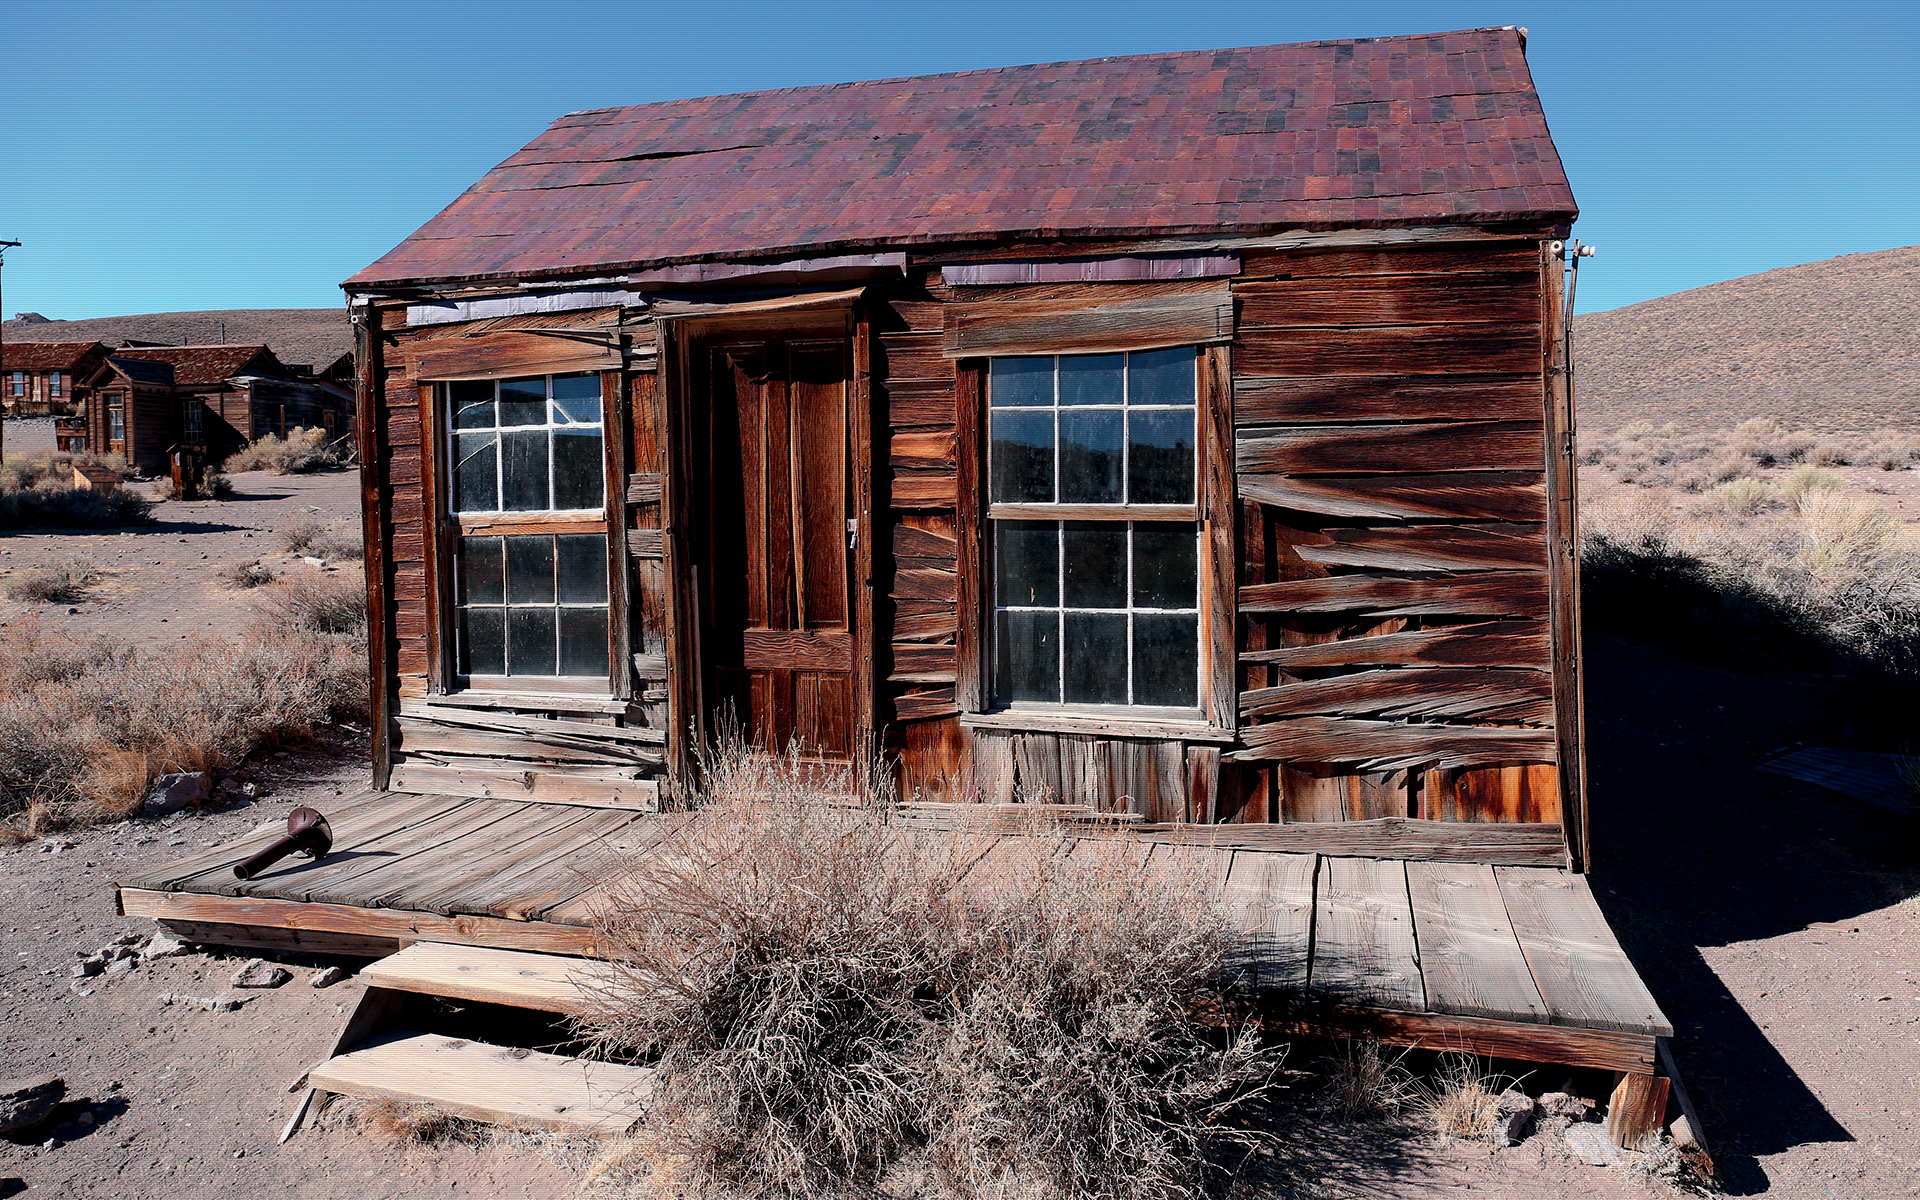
1435,129
46,356
140,371
198,365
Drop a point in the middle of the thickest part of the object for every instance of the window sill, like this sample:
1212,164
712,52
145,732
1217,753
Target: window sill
1099,725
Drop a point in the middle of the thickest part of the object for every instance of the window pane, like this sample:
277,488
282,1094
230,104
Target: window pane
1095,553
1091,378
530,569
523,401
579,471
582,568
583,641
1095,651
1165,566
481,581
475,467
483,641
1022,457
1090,457
530,642
1160,458
1029,559
1029,652
1166,660
1160,376
576,399
523,471
472,403
1019,382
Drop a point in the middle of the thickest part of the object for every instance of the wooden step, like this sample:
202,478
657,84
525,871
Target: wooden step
490,1083
543,982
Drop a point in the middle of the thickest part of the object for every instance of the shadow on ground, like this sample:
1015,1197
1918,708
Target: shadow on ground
1694,848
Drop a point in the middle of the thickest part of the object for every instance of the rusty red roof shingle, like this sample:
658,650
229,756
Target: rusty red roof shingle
1441,128
47,356
196,365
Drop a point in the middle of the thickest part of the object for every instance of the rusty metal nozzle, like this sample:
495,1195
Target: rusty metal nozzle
307,832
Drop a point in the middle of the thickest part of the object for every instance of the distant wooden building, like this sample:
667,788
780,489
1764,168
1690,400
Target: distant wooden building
1184,437
205,401
39,379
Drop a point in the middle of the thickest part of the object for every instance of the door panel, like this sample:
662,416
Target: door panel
779,641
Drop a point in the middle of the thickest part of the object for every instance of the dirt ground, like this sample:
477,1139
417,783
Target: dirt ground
1777,924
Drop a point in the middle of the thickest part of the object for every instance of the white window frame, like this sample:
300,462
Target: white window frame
549,426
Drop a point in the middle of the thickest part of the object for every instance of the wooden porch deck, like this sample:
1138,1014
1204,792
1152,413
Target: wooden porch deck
1516,961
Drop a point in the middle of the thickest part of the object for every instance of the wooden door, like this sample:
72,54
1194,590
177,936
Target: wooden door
779,618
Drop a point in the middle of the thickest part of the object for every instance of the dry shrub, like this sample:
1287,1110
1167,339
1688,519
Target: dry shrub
1807,479
335,541
55,502
826,1005
1744,497
1462,1099
215,486
1367,1080
1830,454
247,575
86,724
164,488
304,450
63,583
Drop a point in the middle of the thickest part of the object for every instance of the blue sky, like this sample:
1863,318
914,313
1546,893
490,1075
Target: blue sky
185,156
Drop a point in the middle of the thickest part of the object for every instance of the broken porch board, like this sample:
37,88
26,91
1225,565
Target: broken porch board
525,1088
516,978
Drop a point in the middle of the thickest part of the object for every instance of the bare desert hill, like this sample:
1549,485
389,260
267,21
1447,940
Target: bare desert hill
1832,346
314,336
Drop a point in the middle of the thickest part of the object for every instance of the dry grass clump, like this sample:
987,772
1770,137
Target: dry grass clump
1745,497
63,583
828,1007
1367,1080
303,451
418,1124
332,541
85,724
1461,1100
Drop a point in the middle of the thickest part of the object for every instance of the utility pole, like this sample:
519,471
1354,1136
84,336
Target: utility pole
6,380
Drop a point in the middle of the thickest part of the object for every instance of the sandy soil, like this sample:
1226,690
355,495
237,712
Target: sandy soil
1777,924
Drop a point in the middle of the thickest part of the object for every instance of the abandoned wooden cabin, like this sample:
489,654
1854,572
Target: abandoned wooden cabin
1186,437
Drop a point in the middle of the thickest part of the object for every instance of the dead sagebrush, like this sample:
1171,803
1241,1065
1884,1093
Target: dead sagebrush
1461,1099
247,575
303,450
1368,1080
86,724
64,582
825,1001
337,541
1806,479
60,505
335,603
214,485
1745,497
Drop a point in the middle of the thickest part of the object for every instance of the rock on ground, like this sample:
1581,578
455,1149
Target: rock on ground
28,1101
259,973
166,945
171,793
1516,1116
1590,1144
327,977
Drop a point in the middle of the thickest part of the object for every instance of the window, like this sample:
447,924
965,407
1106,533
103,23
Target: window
53,384
527,445
529,603
1092,472
533,604
116,419
19,383
191,420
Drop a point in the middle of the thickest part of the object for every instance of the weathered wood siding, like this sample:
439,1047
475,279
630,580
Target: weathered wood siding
1390,451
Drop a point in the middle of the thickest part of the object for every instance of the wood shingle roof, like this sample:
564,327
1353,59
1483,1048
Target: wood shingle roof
1434,129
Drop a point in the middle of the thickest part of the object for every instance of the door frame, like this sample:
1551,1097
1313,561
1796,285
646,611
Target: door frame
683,339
